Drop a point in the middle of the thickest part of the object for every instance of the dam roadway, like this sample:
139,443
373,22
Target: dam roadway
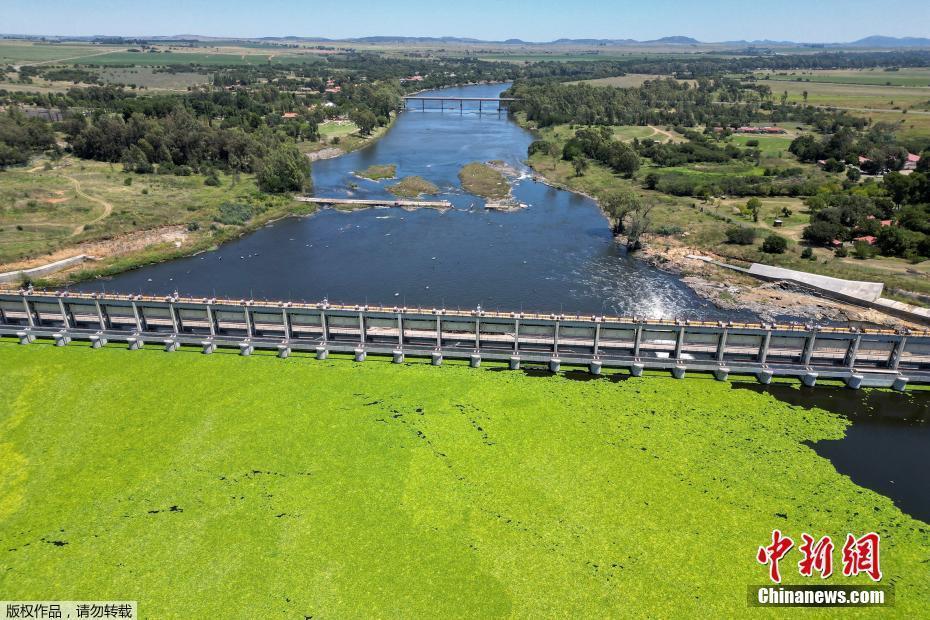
858,357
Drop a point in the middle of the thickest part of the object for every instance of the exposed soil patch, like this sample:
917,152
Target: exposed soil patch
118,246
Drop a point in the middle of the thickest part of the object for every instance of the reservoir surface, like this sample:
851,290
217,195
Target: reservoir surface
557,254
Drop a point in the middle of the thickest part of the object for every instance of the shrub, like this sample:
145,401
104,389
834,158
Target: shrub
841,252
667,230
127,181
774,244
234,214
808,253
741,235
863,250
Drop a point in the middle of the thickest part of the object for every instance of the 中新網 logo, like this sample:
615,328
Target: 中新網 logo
859,555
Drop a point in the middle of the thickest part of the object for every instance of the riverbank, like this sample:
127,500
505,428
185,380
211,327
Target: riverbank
340,144
342,459
684,227
57,210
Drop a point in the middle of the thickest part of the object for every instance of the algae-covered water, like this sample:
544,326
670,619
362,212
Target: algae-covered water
298,488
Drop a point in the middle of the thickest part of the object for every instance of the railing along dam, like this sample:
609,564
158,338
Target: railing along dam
860,357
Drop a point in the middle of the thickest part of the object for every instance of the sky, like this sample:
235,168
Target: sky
530,20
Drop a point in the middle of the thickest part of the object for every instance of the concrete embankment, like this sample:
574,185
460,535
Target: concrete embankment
43,270
865,294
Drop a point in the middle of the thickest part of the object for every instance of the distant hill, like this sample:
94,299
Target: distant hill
891,42
872,42
676,41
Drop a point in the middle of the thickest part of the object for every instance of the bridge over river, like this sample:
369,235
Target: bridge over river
859,357
443,100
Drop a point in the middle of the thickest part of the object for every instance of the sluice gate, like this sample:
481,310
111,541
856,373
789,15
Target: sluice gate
859,357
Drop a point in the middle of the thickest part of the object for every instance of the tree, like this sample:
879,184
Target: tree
741,235
638,226
774,244
754,205
580,164
365,119
896,241
823,232
285,169
134,160
618,205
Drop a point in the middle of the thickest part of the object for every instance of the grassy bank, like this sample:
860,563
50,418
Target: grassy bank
331,489
482,180
124,219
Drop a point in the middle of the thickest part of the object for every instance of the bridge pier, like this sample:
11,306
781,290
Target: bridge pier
514,362
854,381
171,345
474,360
25,337
809,379
135,343
97,341
245,349
555,364
900,384
61,338
398,357
284,351
764,376
721,374
595,367
436,358
321,352
360,354
636,370
208,347
678,372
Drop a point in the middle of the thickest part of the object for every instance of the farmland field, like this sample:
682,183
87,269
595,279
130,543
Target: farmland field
227,486
24,52
632,80
875,77
198,58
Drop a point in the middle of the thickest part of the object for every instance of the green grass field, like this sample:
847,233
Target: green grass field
877,77
239,487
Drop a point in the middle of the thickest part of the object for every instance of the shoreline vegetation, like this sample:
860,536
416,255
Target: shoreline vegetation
482,179
682,226
413,187
378,172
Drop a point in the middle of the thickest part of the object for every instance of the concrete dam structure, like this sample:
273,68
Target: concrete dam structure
859,357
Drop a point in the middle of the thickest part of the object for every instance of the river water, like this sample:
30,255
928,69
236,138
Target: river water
556,255
884,449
